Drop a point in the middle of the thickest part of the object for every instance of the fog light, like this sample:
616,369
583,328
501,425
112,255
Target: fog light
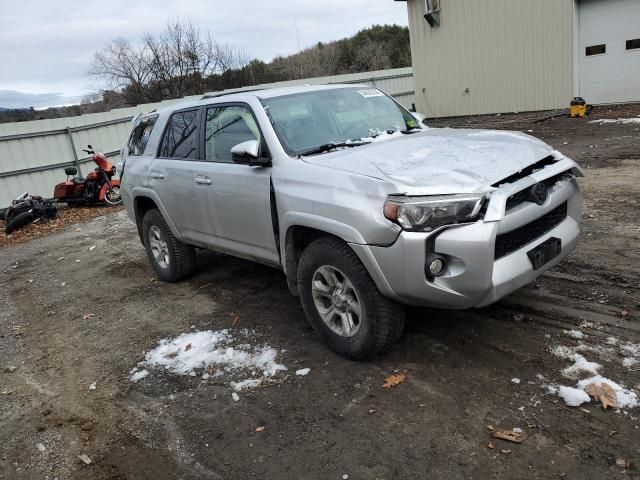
435,265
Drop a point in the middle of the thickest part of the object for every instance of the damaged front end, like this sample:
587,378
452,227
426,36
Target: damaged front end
528,223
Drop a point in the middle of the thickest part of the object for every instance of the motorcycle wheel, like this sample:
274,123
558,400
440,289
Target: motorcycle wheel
113,197
19,221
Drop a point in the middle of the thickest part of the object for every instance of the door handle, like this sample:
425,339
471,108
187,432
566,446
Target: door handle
157,175
203,180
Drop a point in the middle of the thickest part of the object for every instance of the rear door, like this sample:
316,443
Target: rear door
233,200
171,174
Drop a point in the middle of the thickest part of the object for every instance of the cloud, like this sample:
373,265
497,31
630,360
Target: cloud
13,99
48,46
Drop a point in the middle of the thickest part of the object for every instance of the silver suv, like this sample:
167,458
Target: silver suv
362,206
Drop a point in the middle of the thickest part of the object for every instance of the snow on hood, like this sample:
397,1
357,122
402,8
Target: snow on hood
440,160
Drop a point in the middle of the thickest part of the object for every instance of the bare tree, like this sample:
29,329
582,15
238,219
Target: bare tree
122,65
372,56
171,64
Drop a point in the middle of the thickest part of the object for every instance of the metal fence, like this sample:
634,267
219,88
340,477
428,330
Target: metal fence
33,154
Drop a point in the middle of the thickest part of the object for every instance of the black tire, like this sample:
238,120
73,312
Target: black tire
382,319
19,221
182,257
3,214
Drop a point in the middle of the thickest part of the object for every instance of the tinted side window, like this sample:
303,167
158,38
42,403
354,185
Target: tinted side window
181,136
140,136
227,127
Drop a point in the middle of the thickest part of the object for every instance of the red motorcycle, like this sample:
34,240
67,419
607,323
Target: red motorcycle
98,186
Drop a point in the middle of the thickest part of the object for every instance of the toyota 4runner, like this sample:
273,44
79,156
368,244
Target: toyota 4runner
363,207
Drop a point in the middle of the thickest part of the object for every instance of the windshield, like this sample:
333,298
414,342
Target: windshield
306,121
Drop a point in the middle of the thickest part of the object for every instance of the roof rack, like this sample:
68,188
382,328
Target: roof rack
223,93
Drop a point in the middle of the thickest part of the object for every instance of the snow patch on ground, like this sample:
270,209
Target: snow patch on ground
618,120
573,397
631,353
303,372
246,384
626,398
137,375
193,352
581,366
577,334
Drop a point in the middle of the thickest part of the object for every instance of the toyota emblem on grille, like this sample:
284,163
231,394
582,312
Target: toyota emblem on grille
538,193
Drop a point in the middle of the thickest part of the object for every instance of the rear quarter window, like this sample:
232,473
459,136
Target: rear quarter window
140,135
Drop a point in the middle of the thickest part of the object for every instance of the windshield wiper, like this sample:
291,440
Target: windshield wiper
330,146
411,130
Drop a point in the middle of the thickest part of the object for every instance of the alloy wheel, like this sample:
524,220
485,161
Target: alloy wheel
158,246
336,300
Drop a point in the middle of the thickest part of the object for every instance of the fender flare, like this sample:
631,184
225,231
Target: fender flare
151,195
321,224
324,224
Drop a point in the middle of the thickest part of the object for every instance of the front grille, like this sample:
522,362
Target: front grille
509,242
522,196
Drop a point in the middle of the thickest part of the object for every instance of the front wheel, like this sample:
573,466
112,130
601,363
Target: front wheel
171,259
343,304
112,196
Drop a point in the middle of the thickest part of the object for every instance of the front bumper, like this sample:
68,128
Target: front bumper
474,278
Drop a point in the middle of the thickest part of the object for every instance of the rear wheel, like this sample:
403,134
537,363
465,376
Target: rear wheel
171,259
343,304
19,221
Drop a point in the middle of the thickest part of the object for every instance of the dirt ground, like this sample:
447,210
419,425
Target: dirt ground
65,217
337,421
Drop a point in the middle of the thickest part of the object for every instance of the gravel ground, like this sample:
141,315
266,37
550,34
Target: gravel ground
66,323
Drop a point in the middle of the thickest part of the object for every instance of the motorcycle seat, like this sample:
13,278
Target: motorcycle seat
78,180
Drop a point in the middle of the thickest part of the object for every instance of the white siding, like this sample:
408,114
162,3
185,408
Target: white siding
512,55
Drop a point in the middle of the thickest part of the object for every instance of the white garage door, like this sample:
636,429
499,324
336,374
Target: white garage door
609,62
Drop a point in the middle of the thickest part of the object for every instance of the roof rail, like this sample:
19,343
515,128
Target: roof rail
223,93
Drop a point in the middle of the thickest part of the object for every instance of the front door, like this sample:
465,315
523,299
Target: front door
233,201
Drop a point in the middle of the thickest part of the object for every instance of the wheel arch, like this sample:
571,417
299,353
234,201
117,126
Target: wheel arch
143,202
296,239
299,230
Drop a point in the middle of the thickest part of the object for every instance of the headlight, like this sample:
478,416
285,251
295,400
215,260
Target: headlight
428,213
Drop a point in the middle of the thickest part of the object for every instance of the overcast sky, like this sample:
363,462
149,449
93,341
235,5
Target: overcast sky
46,46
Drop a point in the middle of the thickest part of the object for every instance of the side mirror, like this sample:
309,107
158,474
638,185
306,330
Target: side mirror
419,117
246,153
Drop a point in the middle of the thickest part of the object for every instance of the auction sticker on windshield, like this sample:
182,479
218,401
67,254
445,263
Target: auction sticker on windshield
372,92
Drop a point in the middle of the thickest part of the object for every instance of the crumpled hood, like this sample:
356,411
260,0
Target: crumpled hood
440,160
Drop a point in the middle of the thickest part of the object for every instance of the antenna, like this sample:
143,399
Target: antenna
295,23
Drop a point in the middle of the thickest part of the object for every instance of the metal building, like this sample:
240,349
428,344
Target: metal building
490,56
